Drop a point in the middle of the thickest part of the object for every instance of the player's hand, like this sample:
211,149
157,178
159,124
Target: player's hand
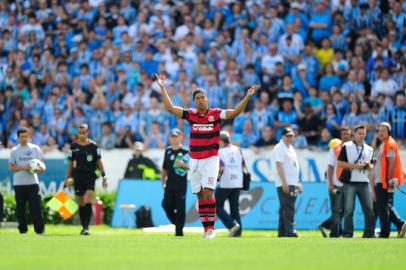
40,170
285,188
180,163
160,79
330,188
299,188
68,182
253,89
105,184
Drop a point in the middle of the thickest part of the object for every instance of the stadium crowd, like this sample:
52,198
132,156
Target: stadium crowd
321,65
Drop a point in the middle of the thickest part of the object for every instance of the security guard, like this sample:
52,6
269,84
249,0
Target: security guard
230,184
141,167
287,183
85,166
174,181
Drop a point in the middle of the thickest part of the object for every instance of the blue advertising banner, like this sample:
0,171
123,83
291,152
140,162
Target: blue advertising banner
50,181
259,206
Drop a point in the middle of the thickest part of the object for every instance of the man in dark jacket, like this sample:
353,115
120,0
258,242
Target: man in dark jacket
141,167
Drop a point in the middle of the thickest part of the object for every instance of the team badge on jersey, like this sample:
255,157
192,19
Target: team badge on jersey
211,118
172,157
89,158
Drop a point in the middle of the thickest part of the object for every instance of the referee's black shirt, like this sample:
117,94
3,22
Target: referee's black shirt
84,158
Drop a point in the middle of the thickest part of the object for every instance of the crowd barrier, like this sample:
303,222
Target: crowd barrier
259,205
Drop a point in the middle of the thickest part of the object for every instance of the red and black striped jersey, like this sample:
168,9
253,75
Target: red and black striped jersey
204,132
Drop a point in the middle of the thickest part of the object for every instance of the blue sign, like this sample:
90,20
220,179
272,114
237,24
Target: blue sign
259,206
50,181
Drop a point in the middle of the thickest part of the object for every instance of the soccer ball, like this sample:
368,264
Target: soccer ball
36,164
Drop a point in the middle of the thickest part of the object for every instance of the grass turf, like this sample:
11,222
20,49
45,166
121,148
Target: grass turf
107,248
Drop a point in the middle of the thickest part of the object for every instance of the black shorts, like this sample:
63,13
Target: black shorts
81,186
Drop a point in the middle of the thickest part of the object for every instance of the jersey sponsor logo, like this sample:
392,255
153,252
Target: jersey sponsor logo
202,127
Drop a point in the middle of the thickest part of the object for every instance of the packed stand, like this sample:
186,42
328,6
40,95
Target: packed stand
321,65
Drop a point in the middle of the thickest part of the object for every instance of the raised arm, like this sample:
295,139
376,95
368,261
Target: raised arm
231,113
178,111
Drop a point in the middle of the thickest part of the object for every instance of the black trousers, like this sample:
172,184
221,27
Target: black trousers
29,194
287,201
334,222
174,204
233,197
385,211
1,208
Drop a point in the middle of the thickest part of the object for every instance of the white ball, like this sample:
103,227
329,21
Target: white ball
36,164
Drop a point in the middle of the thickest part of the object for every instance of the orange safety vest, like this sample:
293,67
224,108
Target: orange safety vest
337,151
390,143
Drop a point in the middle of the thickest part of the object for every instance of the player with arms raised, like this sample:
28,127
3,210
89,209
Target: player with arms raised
204,145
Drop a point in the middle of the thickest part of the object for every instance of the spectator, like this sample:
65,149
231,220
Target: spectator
310,124
155,138
267,139
386,86
285,118
108,139
329,79
325,54
397,116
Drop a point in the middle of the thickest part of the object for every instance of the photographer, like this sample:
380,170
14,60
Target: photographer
388,173
355,159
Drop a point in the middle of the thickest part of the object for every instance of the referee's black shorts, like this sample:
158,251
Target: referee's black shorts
82,185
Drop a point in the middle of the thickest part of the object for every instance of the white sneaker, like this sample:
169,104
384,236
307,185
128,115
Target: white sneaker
210,234
234,230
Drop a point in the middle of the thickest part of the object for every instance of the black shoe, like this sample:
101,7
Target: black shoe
179,234
280,234
292,235
402,231
323,231
85,232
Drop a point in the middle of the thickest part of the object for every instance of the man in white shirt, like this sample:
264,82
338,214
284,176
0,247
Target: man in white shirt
230,184
335,187
386,86
287,183
356,156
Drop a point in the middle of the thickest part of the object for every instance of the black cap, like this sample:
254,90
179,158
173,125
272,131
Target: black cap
288,131
175,132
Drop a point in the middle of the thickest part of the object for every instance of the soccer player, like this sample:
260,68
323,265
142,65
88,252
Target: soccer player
85,166
204,145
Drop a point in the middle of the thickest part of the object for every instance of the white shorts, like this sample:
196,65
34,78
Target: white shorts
204,173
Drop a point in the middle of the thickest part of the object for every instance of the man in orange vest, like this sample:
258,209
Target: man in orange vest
388,174
335,187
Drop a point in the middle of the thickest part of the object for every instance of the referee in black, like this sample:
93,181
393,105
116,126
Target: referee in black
85,166
174,177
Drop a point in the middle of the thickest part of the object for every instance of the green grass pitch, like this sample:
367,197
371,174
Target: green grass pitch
107,248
